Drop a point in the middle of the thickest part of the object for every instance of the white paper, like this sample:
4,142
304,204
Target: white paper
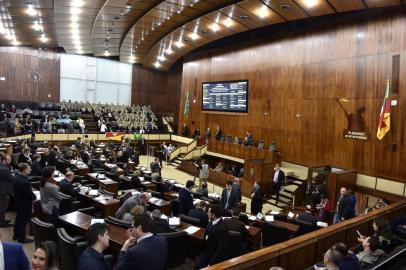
141,178
174,221
322,224
291,215
247,227
191,230
252,218
93,192
274,212
269,218
163,216
96,220
135,192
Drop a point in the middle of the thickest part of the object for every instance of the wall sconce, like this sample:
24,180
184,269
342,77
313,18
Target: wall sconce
299,115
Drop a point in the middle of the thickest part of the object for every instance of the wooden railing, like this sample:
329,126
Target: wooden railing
304,251
183,149
195,153
243,151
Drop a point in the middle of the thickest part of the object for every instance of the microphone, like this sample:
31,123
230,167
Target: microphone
97,175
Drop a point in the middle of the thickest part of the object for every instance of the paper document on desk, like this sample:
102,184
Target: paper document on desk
163,216
93,192
174,221
274,212
141,178
96,220
252,218
269,218
191,230
322,224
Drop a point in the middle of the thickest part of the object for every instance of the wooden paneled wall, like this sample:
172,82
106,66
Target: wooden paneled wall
16,65
159,89
295,77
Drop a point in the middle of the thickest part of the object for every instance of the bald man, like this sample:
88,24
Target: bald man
66,186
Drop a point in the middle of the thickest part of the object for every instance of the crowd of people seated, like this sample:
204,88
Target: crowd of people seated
66,117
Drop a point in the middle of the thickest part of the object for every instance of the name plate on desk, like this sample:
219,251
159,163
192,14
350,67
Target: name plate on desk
356,135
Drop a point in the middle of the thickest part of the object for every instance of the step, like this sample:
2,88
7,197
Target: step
281,198
286,194
279,204
290,188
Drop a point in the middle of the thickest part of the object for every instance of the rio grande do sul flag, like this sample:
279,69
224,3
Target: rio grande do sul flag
384,117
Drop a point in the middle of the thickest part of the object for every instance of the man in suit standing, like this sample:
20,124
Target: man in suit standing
155,167
256,199
214,240
228,197
24,197
278,181
66,187
6,188
218,133
139,256
344,210
236,187
186,199
200,213
12,257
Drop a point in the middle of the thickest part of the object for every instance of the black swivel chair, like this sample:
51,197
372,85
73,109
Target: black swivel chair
118,222
273,234
43,231
235,245
175,207
176,248
304,226
69,249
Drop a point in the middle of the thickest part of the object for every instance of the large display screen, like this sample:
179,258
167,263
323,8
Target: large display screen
228,96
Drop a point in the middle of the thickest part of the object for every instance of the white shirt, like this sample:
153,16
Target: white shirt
275,176
1,257
146,235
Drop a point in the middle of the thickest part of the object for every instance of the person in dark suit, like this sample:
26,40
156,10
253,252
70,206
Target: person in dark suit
24,156
66,187
24,197
185,131
159,225
49,158
218,134
78,143
139,256
36,168
307,215
256,199
343,207
236,187
229,197
14,257
200,213
6,188
214,240
278,180
98,240
155,167
186,199
249,140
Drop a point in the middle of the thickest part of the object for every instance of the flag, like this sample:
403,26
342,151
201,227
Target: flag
384,118
115,136
186,111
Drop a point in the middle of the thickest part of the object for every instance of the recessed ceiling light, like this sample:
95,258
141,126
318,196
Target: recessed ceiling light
129,5
285,7
214,27
169,51
43,39
179,44
36,26
228,22
161,58
263,12
311,3
132,58
194,36
106,53
31,10
157,64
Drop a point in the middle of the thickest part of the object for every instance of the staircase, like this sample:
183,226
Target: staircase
176,162
90,123
286,196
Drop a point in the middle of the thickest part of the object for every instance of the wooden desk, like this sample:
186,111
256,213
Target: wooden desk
163,205
106,183
107,204
110,166
81,167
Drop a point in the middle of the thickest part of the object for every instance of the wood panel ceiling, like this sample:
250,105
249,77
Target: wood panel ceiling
155,33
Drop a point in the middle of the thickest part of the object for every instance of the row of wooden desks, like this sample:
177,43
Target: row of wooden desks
118,235
104,182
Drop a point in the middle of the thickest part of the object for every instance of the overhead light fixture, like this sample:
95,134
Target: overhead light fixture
74,18
161,58
36,26
43,39
75,11
228,22
31,10
77,3
169,51
106,53
132,59
194,36
179,44
263,12
311,3
128,5
157,64
214,27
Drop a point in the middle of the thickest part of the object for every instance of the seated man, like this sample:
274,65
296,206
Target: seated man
159,225
137,199
307,215
235,224
203,190
142,250
98,240
66,186
200,213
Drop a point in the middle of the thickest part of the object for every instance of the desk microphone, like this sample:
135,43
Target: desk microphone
97,175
